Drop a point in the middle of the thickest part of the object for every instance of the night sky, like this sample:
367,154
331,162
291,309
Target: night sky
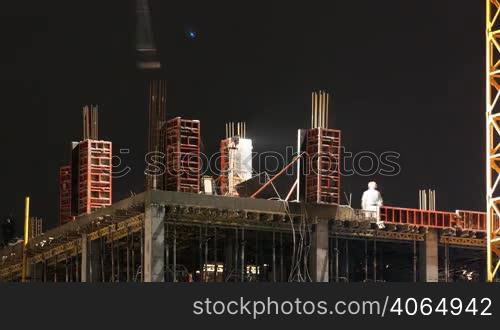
405,77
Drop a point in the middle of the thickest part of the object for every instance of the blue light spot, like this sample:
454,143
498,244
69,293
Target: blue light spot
192,34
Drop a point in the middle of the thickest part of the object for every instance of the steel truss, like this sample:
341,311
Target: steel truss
492,137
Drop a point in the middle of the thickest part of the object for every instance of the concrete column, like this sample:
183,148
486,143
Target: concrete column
90,264
154,243
319,252
94,261
84,265
428,257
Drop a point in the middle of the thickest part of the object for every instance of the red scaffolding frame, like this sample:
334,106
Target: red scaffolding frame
322,165
65,194
460,220
94,175
224,166
183,163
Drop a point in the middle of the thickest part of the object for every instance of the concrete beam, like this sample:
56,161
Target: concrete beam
428,257
154,243
319,252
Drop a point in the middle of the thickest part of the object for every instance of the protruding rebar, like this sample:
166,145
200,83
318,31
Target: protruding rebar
320,101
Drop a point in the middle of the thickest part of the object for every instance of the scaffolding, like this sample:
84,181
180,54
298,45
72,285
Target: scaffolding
183,163
92,176
65,194
319,172
322,166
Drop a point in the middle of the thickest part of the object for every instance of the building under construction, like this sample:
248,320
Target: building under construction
178,232
225,228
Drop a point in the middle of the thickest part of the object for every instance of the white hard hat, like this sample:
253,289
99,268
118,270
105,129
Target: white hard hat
372,185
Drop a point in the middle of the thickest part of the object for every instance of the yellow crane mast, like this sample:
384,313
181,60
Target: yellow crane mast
492,137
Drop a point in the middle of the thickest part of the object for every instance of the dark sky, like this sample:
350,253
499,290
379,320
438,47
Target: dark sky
405,77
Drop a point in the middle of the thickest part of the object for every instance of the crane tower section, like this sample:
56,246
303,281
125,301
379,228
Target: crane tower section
492,137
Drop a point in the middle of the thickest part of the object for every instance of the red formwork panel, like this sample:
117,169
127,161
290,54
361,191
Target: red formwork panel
224,167
183,162
474,220
462,220
471,220
95,175
322,166
416,217
65,194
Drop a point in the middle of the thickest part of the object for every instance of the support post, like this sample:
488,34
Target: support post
228,253
167,253
337,266
94,260
347,260
128,255
429,257
200,256
282,267
415,260
319,252
274,256
154,243
242,254
446,263
174,248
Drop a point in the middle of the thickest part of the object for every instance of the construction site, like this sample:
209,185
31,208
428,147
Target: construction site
236,226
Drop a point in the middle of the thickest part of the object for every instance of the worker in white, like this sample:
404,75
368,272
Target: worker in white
372,201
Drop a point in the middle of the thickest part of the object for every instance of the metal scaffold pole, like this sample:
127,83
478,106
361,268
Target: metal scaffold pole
366,260
134,274
141,238
118,268
103,252
337,266
90,260
66,270
415,260
347,260
128,255
175,252
167,252
375,258
112,248
242,254
282,266
215,254
274,256
200,249
77,265
205,241
446,262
